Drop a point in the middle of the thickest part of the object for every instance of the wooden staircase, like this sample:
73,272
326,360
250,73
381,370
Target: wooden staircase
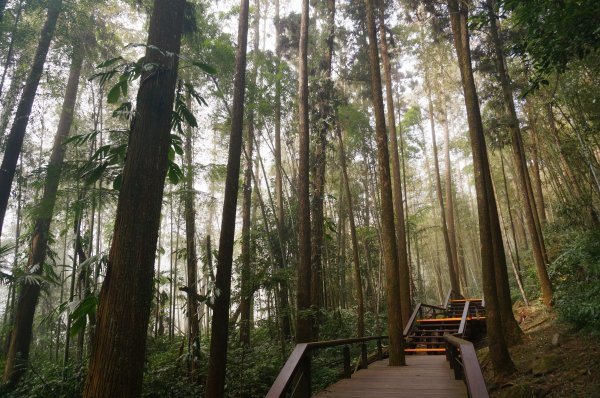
424,333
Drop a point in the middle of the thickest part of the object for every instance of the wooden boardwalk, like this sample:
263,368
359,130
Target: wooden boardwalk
426,376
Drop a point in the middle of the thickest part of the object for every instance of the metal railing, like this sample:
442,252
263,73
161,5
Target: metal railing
294,378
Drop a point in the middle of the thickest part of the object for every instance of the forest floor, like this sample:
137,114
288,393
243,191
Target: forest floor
554,360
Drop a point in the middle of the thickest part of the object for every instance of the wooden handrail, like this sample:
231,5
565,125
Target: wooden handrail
300,354
462,357
435,307
450,295
412,320
463,320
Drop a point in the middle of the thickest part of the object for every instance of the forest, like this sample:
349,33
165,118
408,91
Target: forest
190,188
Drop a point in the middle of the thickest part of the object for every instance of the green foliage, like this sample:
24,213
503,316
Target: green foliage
165,374
576,277
45,379
554,33
108,160
253,369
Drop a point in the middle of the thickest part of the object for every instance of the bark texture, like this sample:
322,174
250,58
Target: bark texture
390,253
400,225
215,382
117,361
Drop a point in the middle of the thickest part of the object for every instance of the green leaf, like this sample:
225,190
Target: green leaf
114,94
188,116
124,110
85,308
174,172
118,182
205,67
108,62
95,174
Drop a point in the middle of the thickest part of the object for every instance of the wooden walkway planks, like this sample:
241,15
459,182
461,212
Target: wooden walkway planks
426,376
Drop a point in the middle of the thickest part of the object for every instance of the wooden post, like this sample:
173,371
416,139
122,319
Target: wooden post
379,350
347,367
304,388
363,355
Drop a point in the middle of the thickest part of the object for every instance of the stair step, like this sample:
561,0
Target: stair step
426,336
465,300
440,350
426,343
436,330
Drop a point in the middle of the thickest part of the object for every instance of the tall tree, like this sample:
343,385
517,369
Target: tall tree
486,202
525,187
303,299
325,115
117,361
247,290
282,291
397,185
18,351
215,379
14,142
360,322
390,253
191,257
452,266
450,197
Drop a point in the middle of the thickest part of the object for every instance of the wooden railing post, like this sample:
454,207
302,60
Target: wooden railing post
363,356
304,387
347,367
454,363
379,350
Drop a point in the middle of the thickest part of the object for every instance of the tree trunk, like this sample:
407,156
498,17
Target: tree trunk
529,207
499,354
117,361
390,253
9,314
191,257
15,138
324,117
18,352
360,324
461,273
215,382
400,223
515,260
535,155
11,44
284,311
303,300
246,289
452,265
